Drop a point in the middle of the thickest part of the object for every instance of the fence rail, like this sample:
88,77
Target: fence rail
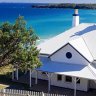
12,92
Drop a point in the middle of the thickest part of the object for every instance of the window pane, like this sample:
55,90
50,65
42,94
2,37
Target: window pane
59,77
43,73
68,79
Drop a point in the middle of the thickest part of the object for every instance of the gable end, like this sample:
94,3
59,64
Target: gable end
73,48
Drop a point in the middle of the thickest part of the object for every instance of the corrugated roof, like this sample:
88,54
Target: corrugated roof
80,45
74,70
81,37
90,40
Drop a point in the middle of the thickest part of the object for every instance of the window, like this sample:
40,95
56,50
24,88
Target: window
69,55
44,73
78,80
68,79
59,77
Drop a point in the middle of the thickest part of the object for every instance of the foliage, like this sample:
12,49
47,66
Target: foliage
18,45
66,5
6,70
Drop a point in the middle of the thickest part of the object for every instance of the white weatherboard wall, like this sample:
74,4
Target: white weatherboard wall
83,86
60,56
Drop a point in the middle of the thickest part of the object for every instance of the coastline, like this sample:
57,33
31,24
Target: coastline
65,5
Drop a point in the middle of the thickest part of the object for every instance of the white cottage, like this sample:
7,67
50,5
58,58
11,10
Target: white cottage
69,59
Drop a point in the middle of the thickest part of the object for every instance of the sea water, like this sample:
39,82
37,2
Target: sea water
46,22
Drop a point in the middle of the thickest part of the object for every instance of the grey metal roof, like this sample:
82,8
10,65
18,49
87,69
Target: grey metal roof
74,70
85,31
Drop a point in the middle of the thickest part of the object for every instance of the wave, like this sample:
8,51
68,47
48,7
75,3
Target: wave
41,41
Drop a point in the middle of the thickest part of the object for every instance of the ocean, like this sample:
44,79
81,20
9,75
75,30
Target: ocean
46,22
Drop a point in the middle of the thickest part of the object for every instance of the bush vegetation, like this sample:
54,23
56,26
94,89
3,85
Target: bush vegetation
67,5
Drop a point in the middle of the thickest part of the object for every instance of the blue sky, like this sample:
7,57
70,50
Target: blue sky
33,1
50,1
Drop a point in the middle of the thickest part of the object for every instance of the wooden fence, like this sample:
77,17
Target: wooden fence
12,92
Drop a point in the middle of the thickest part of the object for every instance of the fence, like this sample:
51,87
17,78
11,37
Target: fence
12,92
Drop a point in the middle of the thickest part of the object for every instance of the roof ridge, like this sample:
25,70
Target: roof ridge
87,47
62,33
55,43
80,37
91,70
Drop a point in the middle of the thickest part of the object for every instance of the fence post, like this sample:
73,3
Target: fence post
4,92
11,92
42,93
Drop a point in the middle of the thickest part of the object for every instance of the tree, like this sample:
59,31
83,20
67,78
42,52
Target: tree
18,45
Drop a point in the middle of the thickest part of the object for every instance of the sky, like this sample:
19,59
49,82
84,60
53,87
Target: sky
49,1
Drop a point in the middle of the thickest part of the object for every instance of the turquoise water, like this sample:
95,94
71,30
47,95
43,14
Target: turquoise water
46,22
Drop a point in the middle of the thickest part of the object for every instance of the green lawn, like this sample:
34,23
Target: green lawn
4,73
6,81
5,70
2,86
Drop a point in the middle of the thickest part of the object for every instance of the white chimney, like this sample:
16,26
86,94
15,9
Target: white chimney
75,21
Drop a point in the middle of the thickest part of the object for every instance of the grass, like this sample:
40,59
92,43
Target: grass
2,86
5,70
6,81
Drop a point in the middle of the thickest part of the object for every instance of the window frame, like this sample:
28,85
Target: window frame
78,82
67,55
